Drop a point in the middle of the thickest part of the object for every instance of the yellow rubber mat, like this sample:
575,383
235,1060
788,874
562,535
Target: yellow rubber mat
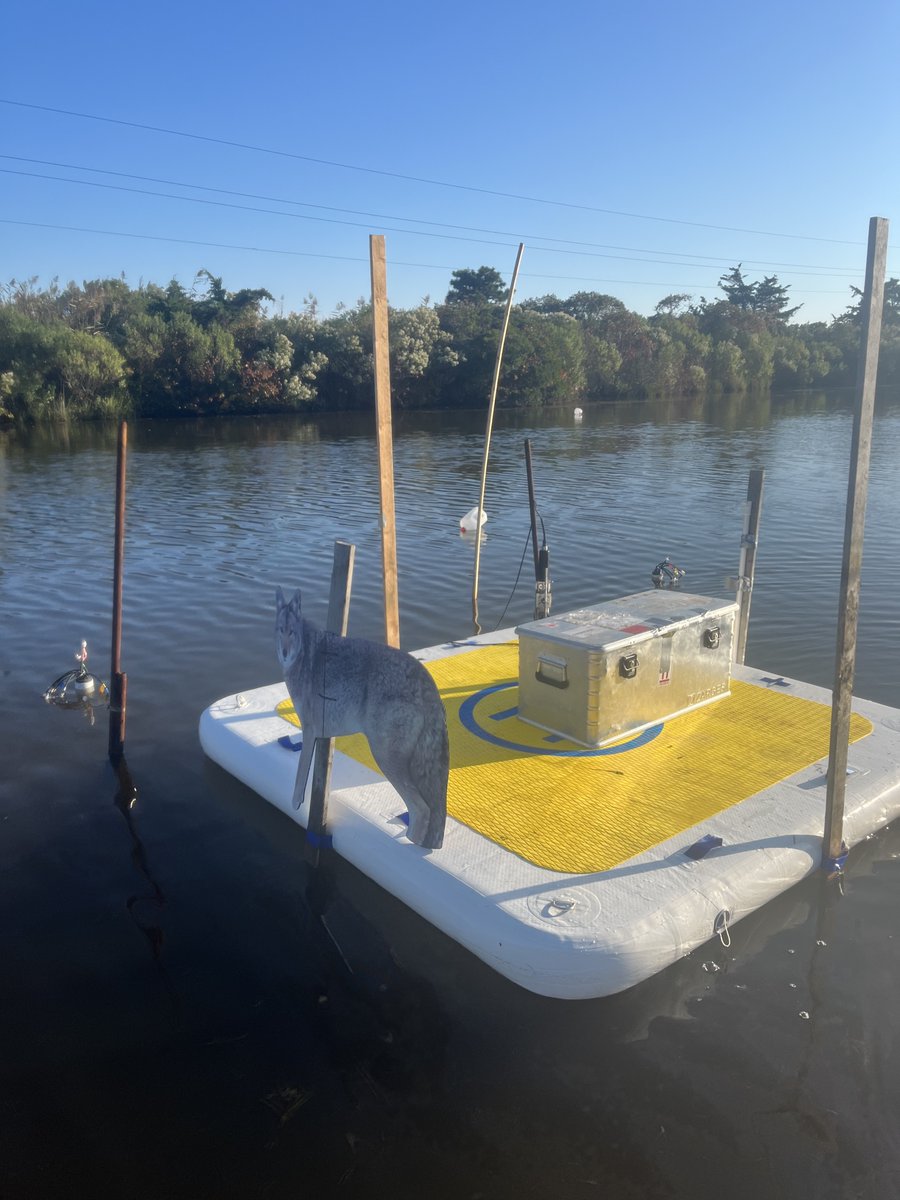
567,808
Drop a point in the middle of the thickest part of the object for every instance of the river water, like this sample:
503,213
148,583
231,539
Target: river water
188,1011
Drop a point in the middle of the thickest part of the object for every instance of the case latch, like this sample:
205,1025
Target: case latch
711,637
628,665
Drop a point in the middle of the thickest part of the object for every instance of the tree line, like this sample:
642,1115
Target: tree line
105,349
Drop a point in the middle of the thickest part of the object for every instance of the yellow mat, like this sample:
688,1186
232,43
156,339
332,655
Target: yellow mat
566,808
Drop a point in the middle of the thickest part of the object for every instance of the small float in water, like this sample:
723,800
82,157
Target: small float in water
472,520
78,687
585,852
666,574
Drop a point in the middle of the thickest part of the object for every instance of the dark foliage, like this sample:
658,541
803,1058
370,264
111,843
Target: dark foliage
104,349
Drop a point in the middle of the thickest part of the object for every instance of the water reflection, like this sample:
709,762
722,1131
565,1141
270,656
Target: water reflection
376,1080
145,908
385,1028
745,410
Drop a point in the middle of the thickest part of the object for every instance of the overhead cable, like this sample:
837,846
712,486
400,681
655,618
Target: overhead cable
118,187
150,237
529,237
199,137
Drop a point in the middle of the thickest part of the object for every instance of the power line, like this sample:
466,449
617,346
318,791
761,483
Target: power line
155,237
118,187
350,258
800,291
529,237
199,137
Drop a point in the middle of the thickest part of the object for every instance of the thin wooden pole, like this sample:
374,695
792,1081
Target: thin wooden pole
381,354
747,568
317,836
857,489
488,430
118,682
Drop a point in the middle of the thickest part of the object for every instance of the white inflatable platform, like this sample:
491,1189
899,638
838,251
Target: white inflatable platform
572,890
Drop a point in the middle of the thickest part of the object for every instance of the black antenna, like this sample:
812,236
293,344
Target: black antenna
542,595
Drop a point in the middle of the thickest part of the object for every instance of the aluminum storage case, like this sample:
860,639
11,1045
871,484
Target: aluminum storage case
598,674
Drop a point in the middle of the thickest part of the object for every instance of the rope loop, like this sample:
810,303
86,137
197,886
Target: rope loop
720,927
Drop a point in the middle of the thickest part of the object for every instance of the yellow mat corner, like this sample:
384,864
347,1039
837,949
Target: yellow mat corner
566,808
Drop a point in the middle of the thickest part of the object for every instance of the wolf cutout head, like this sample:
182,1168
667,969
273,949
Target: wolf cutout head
287,627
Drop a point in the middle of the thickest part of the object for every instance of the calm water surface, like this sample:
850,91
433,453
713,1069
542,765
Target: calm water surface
187,1011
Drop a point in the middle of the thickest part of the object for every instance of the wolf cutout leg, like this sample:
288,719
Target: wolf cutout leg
306,757
426,817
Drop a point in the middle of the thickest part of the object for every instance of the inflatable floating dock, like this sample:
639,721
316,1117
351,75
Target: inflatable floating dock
578,871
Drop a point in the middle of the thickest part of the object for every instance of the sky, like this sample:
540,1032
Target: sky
637,149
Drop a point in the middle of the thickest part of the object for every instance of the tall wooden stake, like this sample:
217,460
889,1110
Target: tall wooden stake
317,835
857,489
487,434
381,354
117,681
749,541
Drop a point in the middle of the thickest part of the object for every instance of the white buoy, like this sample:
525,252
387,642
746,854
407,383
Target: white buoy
470,522
578,414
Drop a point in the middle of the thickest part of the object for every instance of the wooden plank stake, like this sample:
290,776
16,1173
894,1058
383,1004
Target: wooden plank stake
381,354
857,489
747,568
488,430
317,835
118,683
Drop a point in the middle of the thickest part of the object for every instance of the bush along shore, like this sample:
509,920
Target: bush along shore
104,349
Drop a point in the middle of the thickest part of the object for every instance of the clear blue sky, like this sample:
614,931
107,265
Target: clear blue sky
634,130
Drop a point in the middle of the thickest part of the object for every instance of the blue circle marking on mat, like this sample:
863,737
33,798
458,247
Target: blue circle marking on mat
469,721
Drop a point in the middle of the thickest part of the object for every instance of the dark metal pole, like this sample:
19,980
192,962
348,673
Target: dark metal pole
541,556
857,488
117,681
532,506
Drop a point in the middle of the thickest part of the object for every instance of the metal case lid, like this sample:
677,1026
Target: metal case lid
632,618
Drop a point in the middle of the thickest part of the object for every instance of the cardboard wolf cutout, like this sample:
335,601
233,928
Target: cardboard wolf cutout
342,685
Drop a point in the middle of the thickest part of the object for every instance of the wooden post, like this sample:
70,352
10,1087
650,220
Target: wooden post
857,488
749,542
118,682
317,835
487,434
381,354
